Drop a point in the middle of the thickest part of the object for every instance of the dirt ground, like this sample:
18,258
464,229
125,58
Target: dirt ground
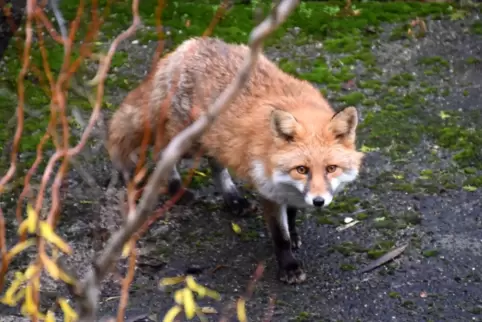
410,191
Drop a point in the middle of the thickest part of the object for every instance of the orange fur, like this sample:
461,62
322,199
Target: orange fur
241,133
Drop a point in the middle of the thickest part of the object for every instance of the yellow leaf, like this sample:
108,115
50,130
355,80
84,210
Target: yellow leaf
23,227
127,249
172,280
32,218
20,247
191,283
201,290
179,296
30,271
69,312
9,298
241,310
51,267
172,313
236,228
50,317
47,233
189,303
202,174
17,297
208,310
30,305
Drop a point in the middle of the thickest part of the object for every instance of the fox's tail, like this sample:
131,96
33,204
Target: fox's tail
124,138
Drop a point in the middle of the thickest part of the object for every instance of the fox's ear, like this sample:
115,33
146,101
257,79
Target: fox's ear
283,124
343,125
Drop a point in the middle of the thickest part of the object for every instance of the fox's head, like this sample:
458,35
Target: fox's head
314,154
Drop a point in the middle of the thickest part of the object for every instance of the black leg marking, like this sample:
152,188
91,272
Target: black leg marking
224,183
290,269
295,238
174,185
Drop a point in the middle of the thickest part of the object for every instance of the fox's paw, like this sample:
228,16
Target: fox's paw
292,272
295,241
236,202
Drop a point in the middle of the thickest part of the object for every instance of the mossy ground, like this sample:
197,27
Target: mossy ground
419,125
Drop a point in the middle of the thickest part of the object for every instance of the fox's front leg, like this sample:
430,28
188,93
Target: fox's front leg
224,183
294,236
276,216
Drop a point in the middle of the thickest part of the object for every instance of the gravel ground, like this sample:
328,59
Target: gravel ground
436,278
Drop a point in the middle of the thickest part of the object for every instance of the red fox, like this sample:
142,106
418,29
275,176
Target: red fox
279,134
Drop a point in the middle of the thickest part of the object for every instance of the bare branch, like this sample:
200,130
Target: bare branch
88,290
60,20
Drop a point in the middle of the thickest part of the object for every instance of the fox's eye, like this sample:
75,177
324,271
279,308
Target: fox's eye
302,169
331,168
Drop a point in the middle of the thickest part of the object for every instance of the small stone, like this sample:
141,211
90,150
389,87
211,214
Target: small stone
348,220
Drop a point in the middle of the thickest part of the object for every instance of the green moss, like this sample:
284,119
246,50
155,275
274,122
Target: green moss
476,28
324,220
474,182
394,295
375,253
368,102
402,80
353,98
347,267
119,59
341,45
288,66
466,93
472,60
399,32
470,170
430,253
362,216
303,316
408,304
465,140
343,205
372,83
433,60
348,248
405,187
412,218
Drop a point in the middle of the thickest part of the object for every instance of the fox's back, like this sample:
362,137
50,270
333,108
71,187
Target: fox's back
202,68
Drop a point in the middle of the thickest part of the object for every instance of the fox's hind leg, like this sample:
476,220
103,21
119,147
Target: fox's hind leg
224,183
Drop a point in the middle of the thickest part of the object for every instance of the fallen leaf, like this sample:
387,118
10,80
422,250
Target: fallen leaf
172,313
241,310
444,115
236,228
350,224
172,280
208,310
384,259
189,303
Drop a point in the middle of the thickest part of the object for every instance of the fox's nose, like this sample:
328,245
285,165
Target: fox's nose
318,201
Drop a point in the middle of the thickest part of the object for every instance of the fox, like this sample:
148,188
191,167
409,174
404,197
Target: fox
279,134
